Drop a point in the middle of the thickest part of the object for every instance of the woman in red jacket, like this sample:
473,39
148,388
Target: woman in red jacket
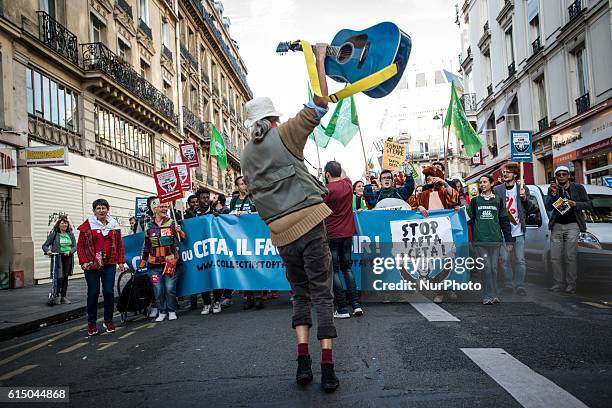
100,251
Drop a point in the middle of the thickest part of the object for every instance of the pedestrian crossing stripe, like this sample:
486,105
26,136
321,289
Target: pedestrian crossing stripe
16,372
72,348
597,305
106,345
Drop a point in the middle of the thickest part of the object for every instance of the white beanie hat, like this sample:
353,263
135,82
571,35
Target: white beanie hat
259,108
561,168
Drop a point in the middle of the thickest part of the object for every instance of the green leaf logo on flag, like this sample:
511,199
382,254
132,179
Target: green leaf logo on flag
217,148
342,125
458,122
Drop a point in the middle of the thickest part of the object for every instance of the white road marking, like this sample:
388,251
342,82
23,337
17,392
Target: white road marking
128,334
18,371
38,346
430,310
106,345
73,347
529,388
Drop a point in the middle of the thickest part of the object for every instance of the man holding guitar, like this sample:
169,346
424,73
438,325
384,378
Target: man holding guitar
290,201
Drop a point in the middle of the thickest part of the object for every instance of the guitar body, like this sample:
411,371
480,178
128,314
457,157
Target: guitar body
368,51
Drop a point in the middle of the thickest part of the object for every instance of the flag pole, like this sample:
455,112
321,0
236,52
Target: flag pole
318,156
174,218
446,169
365,159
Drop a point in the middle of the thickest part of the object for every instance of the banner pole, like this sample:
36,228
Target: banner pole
174,218
365,159
318,156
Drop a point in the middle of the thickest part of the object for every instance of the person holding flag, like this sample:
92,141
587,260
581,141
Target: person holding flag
457,121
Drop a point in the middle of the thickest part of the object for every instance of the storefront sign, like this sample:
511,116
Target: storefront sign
168,185
189,154
595,148
45,156
564,158
393,156
8,166
520,145
184,173
593,135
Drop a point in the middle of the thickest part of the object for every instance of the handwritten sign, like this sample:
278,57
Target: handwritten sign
393,156
168,185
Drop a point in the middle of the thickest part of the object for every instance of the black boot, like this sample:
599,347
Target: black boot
329,381
249,303
259,304
304,370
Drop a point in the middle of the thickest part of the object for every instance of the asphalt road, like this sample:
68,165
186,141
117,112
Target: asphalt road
552,349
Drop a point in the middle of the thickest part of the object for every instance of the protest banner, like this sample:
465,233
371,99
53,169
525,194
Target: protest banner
168,185
189,154
184,175
520,146
394,155
233,252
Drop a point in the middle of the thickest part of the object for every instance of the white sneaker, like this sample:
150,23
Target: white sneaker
153,312
343,315
161,317
217,307
205,310
172,316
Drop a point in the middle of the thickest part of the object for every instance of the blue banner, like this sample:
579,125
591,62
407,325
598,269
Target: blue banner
520,146
235,252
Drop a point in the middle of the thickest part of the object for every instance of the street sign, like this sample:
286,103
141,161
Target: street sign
520,145
607,180
45,156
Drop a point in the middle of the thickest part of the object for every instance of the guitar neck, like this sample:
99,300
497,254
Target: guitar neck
330,52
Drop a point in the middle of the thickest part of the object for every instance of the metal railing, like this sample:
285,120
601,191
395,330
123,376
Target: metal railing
575,9
543,124
57,37
166,52
187,55
511,69
469,102
142,26
583,103
536,46
123,5
97,57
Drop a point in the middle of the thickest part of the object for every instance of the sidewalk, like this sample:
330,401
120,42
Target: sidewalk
24,310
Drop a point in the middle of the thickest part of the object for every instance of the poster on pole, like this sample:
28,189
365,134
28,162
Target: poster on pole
189,154
168,185
520,145
184,175
393,155
140,208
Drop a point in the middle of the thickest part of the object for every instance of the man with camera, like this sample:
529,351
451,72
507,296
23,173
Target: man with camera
566,200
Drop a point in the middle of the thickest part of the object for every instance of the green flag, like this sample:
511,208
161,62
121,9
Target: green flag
318,135
217,148
456,119
342,125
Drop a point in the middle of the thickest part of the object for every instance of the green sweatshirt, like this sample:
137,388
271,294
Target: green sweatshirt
490,222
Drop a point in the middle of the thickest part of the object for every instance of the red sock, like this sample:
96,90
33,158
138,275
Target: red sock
326,356
303,349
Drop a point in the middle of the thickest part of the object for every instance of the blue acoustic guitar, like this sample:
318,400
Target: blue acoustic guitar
353,55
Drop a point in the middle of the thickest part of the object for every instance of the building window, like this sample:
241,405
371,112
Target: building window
509,46
541,94
167,154
165,33
514,122
194,99
123,49
424,147
47,6
439,78
144,11
491,136
168,90
145,69
421,80
582,71
115,131
534,28
203,63
50,100
98,29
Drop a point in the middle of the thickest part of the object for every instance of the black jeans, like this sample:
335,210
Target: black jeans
341,252
309,270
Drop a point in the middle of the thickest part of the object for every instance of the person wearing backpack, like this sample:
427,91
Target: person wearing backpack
61,245
490,228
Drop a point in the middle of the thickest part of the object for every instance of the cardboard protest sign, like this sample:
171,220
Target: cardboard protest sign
393,156
168,185
189,154
184,175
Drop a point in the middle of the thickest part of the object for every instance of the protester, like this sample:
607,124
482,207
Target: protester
192,205
565,224
290,202
387,190
160,255
100,251
417,190
243,202
340,226
359,203
516,198
490,228
437,194
205,208
133,225
61,246
462,195
219,205
440,166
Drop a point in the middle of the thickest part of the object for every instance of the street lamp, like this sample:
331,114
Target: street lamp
440,116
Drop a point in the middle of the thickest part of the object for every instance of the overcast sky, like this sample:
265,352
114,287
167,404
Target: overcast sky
259,25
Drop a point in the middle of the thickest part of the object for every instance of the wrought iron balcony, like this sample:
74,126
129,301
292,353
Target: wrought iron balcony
511,69
166,52
123,5
575,9
469,102
543,124
489,90
583,103
142,26
57,37
97,57
536,46
187,55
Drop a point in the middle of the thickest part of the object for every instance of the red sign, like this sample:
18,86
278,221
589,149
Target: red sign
565,158
598,147
477,159
168,185
184,175
189,154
